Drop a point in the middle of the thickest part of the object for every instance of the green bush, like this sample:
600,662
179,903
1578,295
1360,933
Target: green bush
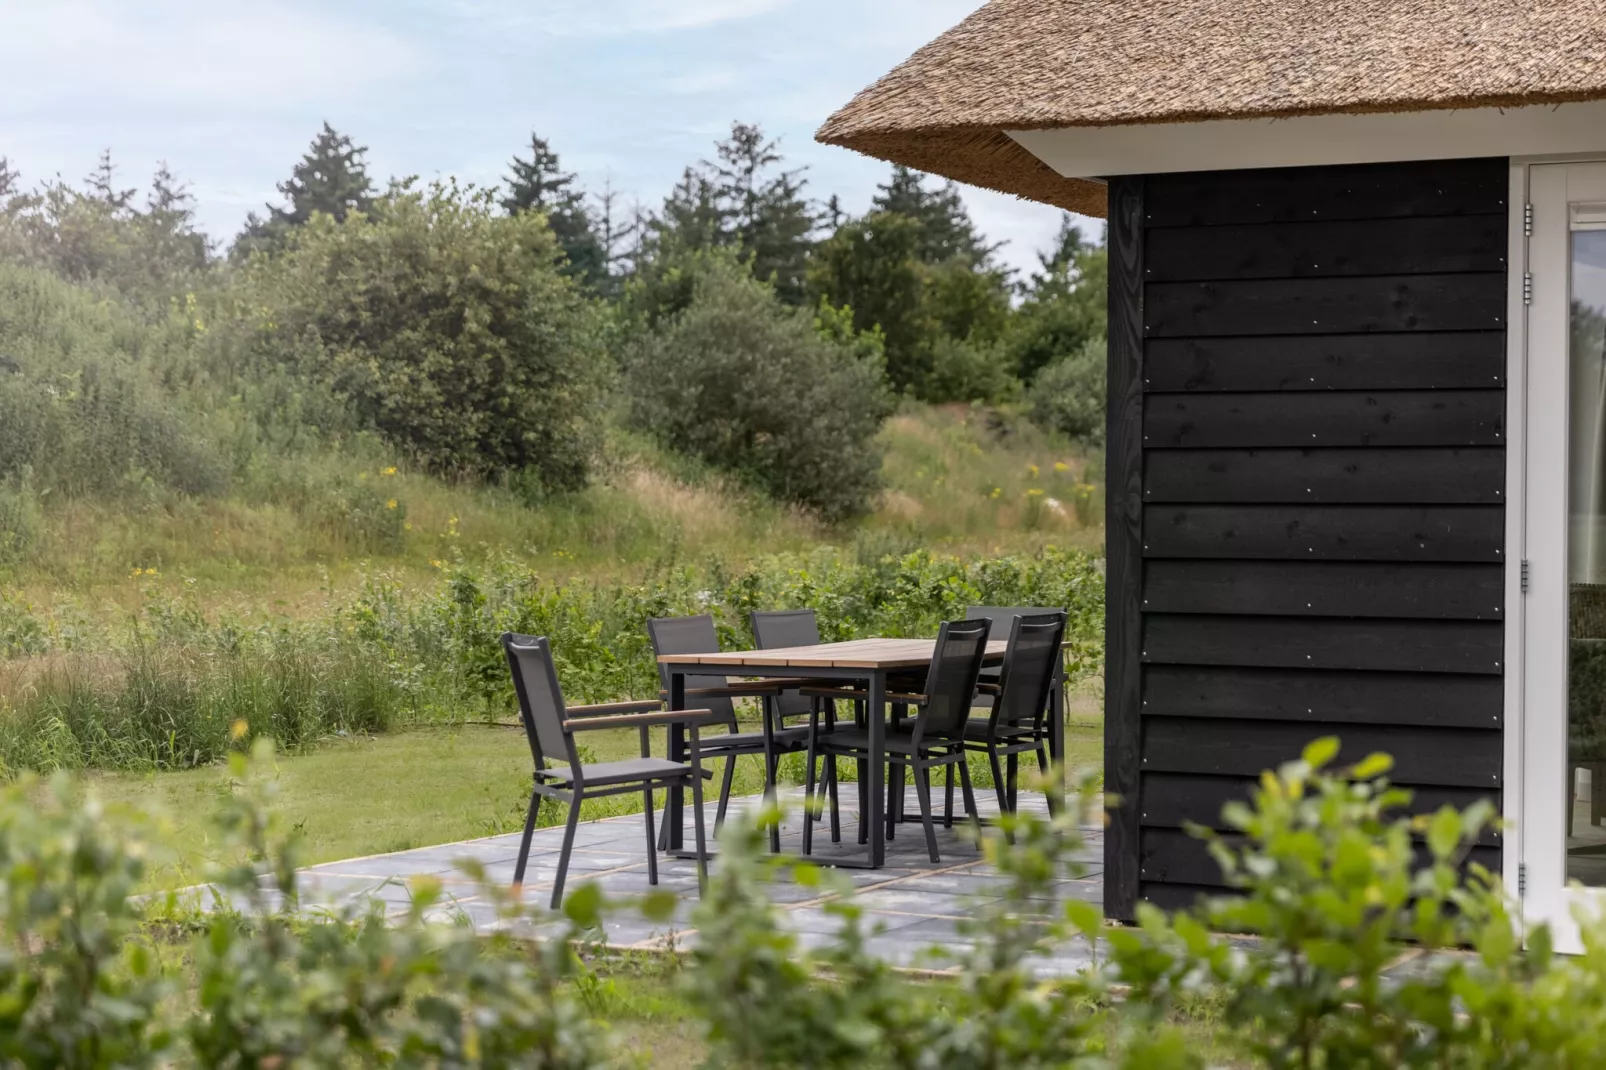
449,327
758,389
81,411
166,694
1069,396
95,976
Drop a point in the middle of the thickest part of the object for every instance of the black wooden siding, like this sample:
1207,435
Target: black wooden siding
1306,492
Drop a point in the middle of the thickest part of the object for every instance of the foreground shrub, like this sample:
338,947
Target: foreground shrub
748,385
91,976
449,327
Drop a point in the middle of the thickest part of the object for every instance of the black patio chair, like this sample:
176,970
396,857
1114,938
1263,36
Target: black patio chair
1002,619
550,726
777,629
934,739
697,635
1017,723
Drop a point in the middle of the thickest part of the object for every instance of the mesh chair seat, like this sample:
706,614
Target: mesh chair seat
980,729
754,741
856,741
629,770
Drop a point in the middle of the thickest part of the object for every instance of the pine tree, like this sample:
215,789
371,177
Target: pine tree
175,246
540,184
946,229
102,186
744,201
766,215
619,232
331,178
1058,262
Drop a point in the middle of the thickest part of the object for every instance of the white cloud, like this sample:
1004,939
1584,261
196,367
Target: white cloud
601,18
187,54
708,80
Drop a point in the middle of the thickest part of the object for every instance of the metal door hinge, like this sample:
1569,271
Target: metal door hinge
1522,879
1528,220
1527,288
1525,575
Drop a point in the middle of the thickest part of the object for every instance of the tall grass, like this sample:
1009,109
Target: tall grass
165,691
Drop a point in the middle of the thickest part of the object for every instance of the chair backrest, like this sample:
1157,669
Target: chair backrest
951,682
691,635
774,629
541,706
777,628
1002,618
1030,668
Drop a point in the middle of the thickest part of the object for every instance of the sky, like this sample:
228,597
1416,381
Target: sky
230,92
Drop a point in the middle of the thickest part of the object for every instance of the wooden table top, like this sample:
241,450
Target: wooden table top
853,654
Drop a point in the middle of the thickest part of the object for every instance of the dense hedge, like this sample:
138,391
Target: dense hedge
165,694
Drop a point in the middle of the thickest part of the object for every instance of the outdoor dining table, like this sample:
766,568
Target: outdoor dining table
869,662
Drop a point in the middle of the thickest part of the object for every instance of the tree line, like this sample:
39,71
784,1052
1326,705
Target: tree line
492,332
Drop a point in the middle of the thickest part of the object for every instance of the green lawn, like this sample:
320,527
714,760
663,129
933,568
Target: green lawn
370,795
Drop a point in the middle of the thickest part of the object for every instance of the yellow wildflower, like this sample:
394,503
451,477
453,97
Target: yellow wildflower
391,504
1061,466
437,562
1032,468
997,492
389,471
1035,492
407,525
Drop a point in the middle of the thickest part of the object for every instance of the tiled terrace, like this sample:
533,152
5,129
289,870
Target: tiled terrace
912,903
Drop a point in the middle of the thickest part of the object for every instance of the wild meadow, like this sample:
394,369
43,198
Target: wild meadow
302,485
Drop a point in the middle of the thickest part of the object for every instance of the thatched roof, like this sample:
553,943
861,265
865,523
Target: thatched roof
1042,64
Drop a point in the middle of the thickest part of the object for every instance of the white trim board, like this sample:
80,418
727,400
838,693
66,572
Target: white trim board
1317,140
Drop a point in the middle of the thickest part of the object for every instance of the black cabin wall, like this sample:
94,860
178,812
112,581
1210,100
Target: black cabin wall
1306,476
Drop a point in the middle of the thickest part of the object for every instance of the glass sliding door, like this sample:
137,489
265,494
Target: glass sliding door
1561,829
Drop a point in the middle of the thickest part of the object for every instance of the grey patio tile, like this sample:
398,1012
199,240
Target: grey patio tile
613,852
820,920
959,882
902,898
431,860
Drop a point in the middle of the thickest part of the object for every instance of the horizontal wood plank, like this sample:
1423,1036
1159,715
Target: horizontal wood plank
1325,248
1325,306
1332,699
1445,757
1326,532
1375,476
1358,191
1176,800
1408,361
1371,644
1174,856
1173,898
1326,589
1325,418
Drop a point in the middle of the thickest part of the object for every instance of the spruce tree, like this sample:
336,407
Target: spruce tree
946,229
766,215
540,184
745,201
331,178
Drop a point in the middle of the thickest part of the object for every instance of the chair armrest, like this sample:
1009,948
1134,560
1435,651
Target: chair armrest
988,689
637,720
860,693
640,705
756,689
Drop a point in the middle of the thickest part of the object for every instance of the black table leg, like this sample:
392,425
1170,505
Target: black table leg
1056,735
875,708
675,804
